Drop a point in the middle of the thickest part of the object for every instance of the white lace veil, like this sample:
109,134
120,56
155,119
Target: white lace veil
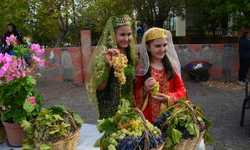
144,62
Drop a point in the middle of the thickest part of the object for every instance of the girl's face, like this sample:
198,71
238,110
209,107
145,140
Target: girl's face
158,48
10,28
123,36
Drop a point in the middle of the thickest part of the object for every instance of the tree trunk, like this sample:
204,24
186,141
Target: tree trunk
60,38
63,30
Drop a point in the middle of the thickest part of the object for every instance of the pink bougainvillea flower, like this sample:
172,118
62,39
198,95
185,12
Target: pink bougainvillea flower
8,79
10,39
39,52
34,47
32,99
41,63
7,58
4,69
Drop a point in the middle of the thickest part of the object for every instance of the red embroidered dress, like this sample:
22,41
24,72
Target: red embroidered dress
174,89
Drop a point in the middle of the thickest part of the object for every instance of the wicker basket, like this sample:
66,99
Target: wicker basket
146,146
3,135
190,143
66,143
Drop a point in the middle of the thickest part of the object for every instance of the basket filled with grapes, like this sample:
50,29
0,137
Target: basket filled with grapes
55,128
128,130
183,126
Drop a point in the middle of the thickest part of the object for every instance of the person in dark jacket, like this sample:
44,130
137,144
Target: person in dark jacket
11,30
244,53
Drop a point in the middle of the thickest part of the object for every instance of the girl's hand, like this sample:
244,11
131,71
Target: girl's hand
109,54
149,84
161,97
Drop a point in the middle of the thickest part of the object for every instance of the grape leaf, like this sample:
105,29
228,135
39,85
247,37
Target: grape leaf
168,142
125,105
28,127
77,118
98,142
124,118
199,119
175,120
190,128
105,143
57,117
176,135
196,130
43,146
108,126
59,108
207,138
207,122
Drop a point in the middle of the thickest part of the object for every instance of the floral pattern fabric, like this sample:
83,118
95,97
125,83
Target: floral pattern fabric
174,89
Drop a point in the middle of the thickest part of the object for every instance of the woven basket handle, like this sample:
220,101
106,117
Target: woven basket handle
146,144
191,109
71,119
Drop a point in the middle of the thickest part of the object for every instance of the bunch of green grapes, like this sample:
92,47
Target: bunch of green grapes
131,128
153,129
155,91
119,63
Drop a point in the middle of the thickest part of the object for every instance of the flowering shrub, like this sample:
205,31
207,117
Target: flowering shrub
19,100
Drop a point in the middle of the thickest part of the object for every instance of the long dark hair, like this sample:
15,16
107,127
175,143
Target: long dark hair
15,32
166,64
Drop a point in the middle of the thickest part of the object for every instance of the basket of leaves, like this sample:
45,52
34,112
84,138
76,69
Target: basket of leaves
128,130
183,126
55,128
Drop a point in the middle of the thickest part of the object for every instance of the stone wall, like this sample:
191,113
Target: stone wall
69,64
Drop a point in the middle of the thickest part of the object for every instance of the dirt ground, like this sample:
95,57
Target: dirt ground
220,100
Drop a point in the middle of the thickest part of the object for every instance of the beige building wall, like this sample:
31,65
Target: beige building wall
180,27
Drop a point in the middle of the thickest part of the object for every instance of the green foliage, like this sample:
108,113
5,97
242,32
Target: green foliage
51,124
14,11
218,13
15,94
156,12
182,118
13,97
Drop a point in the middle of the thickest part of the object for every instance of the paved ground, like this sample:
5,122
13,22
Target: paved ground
223,107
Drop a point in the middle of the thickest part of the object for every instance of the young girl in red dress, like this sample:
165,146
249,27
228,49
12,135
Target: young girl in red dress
158,63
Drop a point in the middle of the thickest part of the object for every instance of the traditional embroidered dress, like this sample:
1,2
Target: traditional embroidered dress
109,99
174,88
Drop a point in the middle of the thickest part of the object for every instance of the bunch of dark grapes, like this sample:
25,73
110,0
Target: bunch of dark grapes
184,131
131,142
160,121
128,143
202,126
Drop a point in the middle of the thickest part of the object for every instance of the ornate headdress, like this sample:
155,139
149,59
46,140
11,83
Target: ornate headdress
144,62
119,21
156,33
97,69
